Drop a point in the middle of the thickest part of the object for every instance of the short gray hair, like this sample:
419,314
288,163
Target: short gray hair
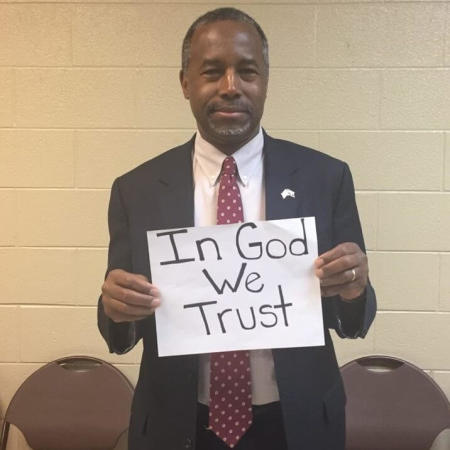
218,15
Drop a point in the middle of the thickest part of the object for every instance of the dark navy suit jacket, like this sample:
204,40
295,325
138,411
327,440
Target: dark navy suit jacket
159,194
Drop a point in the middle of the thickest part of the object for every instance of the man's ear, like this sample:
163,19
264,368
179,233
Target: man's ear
184,83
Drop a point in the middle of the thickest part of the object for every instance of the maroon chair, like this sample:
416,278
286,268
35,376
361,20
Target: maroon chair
392,405
72,403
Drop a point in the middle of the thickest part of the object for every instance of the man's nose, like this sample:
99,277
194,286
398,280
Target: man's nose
230,84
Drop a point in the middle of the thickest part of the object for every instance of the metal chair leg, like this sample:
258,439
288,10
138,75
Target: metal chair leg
4,435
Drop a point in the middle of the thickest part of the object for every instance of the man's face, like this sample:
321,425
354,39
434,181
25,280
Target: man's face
226,83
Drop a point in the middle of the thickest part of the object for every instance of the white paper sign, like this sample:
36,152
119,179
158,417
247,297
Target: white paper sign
237,287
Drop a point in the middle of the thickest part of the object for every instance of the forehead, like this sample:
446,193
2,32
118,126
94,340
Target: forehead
224,39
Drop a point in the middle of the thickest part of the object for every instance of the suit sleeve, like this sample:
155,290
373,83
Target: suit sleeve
120,337
354,318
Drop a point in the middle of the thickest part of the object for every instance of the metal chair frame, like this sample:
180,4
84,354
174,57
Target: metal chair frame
76,402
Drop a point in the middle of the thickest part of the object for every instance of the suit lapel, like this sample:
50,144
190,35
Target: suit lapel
176,185
177,188
281,172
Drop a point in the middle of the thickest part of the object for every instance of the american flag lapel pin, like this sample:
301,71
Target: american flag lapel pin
288,193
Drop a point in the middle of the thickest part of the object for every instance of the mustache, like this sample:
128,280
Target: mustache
229,107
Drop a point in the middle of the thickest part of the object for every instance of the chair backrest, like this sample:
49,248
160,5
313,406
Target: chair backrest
392,405
72,403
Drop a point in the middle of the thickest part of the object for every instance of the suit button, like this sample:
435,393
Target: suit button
188,443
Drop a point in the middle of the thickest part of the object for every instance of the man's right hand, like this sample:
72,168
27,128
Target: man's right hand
127,297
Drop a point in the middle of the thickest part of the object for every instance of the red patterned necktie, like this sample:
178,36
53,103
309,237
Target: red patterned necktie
230,404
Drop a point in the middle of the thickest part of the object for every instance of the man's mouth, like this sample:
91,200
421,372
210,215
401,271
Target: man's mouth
228,107
229,111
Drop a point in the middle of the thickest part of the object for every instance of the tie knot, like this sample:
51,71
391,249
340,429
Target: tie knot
229,166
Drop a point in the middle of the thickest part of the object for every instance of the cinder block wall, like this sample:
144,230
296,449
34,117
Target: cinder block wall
90,89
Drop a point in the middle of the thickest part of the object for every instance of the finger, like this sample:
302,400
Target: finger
337,252
338,266
348,276
143,277
131,281
132,310
330,291
352,290
120,311
153,289
119,317
127,296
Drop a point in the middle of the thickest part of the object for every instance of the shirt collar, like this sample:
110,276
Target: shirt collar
210,159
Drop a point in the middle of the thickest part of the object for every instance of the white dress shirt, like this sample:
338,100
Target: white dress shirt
207,164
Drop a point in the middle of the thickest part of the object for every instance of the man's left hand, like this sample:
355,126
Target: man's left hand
343,271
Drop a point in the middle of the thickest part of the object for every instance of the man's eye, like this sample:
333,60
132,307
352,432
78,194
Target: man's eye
248,72
211,72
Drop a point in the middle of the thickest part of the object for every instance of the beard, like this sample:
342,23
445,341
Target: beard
229,129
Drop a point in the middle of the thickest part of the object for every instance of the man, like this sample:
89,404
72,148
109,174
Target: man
295,395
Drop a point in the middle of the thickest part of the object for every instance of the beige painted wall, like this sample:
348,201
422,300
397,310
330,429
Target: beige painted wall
89,89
